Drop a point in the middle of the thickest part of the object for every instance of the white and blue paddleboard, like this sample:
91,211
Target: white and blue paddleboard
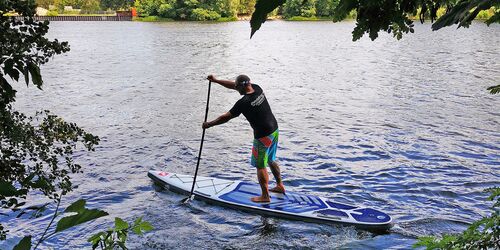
292,205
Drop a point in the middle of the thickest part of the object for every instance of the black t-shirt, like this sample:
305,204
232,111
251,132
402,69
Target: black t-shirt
256,109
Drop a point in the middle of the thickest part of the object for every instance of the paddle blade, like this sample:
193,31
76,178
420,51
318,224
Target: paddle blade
187,199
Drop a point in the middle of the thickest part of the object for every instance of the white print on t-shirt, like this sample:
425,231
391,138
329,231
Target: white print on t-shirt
258,101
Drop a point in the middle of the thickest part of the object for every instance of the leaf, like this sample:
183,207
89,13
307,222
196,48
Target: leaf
122,245
83,215
120,224
122,236
137,221
96,237
259,16
36,77
24,244
26,75
137,230
494,89
494,19
146,226
10,70
7,189
142,227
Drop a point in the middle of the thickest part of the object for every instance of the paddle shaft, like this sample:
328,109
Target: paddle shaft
191,196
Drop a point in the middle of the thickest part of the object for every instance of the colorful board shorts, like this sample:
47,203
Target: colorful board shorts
264,150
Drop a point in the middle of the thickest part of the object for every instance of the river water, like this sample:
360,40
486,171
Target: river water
406,126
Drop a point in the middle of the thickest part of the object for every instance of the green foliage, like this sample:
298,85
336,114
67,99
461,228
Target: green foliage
36,152
392,16
324,8
314,18
303,8
82,215
19,41
117,236
91,5
52,13
246,7
24,244
152,19
187,9
227,19
44,3
225,8
482,234
166,10
259,16
116,4
494,89
465,11
200,14
149,7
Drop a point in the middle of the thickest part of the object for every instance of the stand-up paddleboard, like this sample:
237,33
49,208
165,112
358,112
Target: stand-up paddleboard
292,205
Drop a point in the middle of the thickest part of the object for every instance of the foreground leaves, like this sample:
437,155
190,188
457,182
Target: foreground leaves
35,152
117,236
82,215
494,89
259,16
24,244
482,234
393,16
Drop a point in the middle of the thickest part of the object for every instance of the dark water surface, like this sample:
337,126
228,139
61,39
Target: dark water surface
406,126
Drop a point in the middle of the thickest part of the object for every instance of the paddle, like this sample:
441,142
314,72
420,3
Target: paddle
191,195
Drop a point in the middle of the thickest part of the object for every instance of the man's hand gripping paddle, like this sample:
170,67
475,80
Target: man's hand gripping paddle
191,195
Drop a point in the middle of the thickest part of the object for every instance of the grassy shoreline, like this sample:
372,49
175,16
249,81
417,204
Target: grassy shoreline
163,19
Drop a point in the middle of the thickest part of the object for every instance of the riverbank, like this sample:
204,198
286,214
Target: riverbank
483,15
164,19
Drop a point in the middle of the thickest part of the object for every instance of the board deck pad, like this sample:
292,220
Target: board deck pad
292,205
290,202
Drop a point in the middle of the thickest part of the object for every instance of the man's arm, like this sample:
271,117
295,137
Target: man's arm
220,120
226,83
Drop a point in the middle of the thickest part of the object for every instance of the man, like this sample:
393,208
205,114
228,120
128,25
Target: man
254,106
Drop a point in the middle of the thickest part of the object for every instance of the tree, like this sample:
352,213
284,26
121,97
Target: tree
325,8
35,152
393,16
246,7
44,3
299,8
116,4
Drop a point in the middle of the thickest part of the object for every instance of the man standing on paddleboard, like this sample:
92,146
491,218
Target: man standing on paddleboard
254,106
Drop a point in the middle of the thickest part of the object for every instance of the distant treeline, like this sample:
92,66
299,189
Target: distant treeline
194,9
216,9
201,10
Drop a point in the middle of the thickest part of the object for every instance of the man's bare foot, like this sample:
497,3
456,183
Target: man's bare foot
260,199
278,189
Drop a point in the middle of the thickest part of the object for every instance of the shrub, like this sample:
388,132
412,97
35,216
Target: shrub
200,14
166,10
52,13
305,8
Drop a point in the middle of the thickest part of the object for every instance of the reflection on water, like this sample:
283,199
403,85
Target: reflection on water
406,126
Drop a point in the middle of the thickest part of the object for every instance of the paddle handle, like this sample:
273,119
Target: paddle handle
191,195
